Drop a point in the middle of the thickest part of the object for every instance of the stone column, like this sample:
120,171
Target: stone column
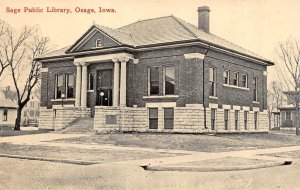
123,81
78,85
84,85
116,82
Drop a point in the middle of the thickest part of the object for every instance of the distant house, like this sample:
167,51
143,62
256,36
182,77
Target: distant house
31,111
8,111
155,75
288,111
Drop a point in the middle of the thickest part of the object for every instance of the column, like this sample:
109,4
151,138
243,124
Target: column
116,82
78,85
84,85
123,81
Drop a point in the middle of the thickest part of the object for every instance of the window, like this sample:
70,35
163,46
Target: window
169,80
212,81
91,81
255,120
168,118
98,43
226,77
38,104
24,113
236,119
31,104
69,85
246,120
255,89
236,79
5,115
154,81
244,81
153,118
226,118
288,115
58,86
213,119
31,113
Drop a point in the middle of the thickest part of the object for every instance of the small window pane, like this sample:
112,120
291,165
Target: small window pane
226,117
169,112
236,79
226,77
169,80
153,118
213,119
168,118
70,85
153,113
5,115
154,81
91,81
244,81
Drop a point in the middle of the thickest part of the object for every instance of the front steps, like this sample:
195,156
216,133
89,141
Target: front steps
80,126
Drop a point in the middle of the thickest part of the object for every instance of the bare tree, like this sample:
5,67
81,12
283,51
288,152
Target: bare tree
275,99
289,71
20,50
3,62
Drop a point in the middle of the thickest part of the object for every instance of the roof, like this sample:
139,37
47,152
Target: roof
287,107
164,30
7,104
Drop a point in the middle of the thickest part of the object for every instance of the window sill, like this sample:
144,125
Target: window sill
160,97
59,100
238,87
254,102
213,97
90,90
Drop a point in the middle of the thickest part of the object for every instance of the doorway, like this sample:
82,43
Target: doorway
104,87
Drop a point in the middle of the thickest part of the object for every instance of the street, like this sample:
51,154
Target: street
28,174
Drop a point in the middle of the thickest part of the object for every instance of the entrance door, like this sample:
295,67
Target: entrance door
104,88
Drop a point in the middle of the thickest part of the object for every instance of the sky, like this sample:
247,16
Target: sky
257,25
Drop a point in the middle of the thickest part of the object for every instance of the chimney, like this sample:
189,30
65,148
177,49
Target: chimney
203,18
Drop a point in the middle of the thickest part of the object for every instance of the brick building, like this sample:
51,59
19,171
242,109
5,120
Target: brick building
158,75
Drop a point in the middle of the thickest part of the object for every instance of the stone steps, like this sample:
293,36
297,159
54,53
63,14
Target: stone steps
80,125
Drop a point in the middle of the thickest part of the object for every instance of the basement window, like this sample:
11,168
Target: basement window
236,119
153,118
246,120
168,118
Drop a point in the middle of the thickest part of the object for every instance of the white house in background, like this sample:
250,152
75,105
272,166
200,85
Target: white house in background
31,111
8,111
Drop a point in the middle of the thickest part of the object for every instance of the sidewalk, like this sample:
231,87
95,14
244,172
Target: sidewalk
161,163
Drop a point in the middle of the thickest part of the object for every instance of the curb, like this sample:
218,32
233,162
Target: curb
78,162
211,169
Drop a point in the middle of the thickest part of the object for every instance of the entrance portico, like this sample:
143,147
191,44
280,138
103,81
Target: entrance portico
119,77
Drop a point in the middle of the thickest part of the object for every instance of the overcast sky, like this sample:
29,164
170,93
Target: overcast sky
257,25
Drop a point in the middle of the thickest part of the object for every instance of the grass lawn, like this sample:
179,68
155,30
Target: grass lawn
203,143
97,155
11,132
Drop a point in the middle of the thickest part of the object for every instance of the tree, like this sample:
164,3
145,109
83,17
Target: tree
289,71
275,99
3,62
21,48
